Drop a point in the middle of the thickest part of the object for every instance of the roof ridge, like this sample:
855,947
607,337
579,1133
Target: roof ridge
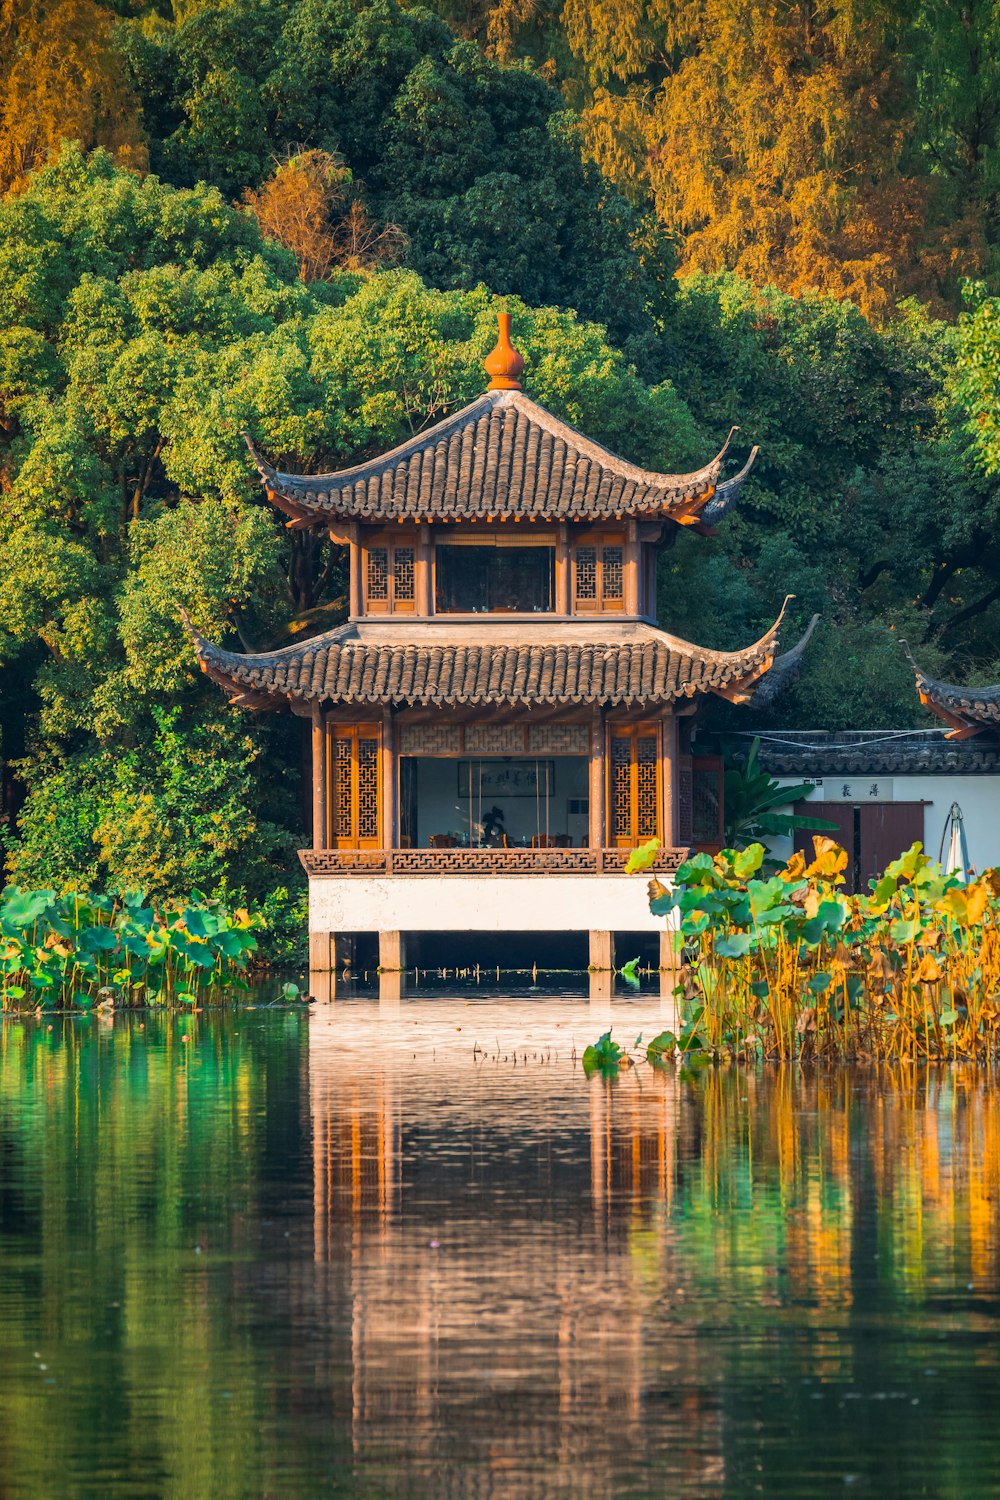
454,422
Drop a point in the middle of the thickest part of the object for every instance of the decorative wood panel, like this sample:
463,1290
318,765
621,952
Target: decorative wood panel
356,784
444,862
634,785
558,739
685,799
599,575
378,575
403,574
495,739
430,739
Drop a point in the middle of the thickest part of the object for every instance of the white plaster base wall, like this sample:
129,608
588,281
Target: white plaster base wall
480,903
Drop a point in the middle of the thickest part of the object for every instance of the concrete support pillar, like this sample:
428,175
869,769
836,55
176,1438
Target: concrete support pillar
321,952
602,949
391,950
330,951
668,958
318,780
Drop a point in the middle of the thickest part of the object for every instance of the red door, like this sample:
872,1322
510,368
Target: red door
873,834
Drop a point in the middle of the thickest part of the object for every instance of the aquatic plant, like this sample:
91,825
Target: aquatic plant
76,951
787,965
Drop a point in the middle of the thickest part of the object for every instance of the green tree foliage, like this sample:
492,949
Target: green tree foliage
147,327
475,162
850,148
866,501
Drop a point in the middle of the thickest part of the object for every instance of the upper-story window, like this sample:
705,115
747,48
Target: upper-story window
390,582
494,577
599,574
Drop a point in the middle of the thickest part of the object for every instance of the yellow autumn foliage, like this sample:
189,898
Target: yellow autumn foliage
63,80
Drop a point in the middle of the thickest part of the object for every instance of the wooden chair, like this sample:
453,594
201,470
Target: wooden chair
442,841
550,841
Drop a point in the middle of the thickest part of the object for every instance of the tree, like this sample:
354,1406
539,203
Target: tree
477,164
308,206
63,80
145,328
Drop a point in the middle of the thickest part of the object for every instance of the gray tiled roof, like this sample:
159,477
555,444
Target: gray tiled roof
976,705
343,667
875,753
502,457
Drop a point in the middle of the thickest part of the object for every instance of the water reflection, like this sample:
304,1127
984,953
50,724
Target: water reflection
403,1248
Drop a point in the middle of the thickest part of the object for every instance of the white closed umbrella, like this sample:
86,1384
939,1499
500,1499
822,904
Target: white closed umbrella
956,861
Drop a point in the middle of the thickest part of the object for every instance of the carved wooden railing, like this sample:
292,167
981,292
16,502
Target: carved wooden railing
478,861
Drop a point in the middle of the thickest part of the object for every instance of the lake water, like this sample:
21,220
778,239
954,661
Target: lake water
344,1251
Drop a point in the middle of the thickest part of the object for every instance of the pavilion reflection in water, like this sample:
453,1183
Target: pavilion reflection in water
552,1308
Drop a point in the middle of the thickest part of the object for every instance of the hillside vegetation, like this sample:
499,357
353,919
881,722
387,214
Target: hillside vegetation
294,217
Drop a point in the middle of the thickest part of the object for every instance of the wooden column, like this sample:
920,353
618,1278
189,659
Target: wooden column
632,551
318,779
389,839
424,580
356,591
563,571
596,828
668,789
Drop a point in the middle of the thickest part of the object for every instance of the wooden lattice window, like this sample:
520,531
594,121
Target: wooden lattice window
706,803
390,577
599,574
634,776
354,797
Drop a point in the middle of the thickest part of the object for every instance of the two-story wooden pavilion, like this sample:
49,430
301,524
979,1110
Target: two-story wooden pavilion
501,719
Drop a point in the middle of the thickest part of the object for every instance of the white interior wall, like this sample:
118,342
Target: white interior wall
441,810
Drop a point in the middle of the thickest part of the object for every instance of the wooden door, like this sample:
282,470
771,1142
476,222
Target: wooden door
874,834
634,774
887,831
840,813
354,799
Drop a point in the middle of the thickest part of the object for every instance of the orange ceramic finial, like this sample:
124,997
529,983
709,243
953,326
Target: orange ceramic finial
504,365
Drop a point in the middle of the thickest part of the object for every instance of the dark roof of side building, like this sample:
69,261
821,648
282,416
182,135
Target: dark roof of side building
502,458
916,752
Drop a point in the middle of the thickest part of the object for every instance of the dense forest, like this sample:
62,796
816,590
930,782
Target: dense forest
294,217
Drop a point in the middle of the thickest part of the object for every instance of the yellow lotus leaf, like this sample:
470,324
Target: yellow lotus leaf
928,971
830,858
811,905
795,868
991,879
978,900
967,906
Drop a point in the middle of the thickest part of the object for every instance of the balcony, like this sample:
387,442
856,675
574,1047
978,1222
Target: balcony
480,861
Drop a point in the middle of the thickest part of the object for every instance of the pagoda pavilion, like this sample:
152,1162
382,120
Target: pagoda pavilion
501,720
